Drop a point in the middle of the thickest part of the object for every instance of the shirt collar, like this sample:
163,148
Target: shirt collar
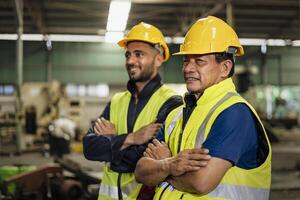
190,100
148,90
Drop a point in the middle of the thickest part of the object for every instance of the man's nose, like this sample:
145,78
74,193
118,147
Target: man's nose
189,67
131,60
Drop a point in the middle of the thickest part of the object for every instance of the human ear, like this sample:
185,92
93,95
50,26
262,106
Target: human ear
226,66
159,59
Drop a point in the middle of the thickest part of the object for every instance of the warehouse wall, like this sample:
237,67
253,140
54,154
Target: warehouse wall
99,62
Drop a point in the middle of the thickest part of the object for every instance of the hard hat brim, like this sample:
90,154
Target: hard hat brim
122,43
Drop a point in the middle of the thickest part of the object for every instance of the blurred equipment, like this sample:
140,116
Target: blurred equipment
49,182
32,185
57,105
30,120
61,132
243,76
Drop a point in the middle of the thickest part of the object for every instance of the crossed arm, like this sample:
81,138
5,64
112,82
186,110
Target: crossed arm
99,141
191,170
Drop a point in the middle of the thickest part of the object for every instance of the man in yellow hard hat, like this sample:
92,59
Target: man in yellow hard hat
214,117
133,117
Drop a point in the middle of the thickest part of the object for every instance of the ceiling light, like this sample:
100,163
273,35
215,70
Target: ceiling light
118,15
32,37
8,36
252,41
178,40
276,42
296,43
113,36
76,38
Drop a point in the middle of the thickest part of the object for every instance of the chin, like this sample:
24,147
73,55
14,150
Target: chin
192,88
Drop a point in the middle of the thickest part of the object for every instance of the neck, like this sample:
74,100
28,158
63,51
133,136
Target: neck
140,85
198,95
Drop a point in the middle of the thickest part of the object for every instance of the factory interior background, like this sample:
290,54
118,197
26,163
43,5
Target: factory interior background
58,61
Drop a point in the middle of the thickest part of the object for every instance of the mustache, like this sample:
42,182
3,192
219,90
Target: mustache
129,66
188,76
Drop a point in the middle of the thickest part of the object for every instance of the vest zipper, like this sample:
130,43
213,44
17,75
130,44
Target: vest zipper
179,141
134,112
120,196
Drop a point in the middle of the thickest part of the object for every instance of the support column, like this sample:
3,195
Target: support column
229,13
19,65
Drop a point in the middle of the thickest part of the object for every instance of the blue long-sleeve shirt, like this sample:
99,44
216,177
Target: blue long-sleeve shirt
107,148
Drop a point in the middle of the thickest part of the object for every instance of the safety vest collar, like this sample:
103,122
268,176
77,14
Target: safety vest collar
149,88
216,90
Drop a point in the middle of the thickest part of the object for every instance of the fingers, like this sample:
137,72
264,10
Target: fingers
195,163
103,126
199,157
199,150
97,127
194,157
149,153
151,146
156,142
105,122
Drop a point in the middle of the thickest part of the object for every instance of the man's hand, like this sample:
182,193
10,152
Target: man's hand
146,133
141,136
189,160
157,150
104,127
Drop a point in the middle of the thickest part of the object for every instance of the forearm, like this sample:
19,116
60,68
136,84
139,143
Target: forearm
186,183
203,180
129,141
125,160
152,172
97,147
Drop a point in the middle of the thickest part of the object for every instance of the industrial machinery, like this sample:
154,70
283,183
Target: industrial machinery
62,180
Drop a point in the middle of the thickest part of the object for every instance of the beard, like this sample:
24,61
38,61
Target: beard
143,75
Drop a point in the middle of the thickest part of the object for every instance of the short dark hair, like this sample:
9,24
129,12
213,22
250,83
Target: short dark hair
156,47
220,57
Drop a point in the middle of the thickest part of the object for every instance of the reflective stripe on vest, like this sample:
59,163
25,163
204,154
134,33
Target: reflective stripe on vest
238,192
174,121
234,192
112,191
166,184
200,134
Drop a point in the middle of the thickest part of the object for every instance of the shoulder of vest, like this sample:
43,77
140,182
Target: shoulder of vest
166,92
120,95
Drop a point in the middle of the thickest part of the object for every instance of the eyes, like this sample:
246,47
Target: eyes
136,54
195,60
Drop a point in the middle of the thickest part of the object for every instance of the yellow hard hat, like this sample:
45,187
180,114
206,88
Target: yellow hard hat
146,33
210,35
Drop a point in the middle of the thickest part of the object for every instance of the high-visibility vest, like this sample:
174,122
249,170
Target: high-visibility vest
237,183
118,116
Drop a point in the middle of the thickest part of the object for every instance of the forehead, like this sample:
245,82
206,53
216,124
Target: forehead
200,56
138,45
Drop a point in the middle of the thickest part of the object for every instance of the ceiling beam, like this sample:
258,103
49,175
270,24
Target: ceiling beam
267,2
73,7
73,30
35,11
